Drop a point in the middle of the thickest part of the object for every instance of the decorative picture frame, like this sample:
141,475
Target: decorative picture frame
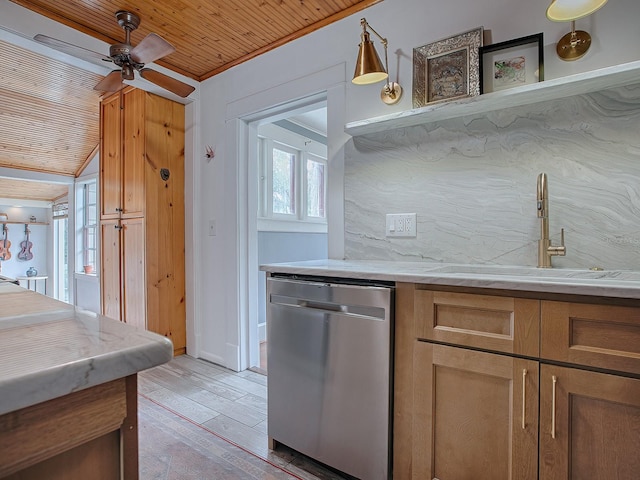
512,63
447,69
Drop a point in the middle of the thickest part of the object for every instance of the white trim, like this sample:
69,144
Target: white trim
243,116
273,225
193,228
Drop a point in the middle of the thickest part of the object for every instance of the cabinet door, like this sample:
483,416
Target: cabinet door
475,415
110,269
133,140
110,157
504,324
589,425
133,273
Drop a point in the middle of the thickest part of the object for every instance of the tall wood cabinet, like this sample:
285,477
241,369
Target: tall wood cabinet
496,387
142,212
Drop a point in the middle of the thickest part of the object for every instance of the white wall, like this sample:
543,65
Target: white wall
40,237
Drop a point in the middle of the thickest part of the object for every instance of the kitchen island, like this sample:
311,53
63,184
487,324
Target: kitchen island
508,371
68,383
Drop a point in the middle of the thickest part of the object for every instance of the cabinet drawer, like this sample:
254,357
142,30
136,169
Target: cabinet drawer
503,324
600,336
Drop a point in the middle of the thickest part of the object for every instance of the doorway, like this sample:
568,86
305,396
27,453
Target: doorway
291,179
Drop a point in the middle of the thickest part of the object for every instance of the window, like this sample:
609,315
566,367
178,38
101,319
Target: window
283,179
87,221
293,177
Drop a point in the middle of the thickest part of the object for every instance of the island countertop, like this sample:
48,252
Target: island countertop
49,348
601,283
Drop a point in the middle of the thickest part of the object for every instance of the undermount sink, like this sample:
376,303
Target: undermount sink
556,273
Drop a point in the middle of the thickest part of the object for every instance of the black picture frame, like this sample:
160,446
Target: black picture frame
512,63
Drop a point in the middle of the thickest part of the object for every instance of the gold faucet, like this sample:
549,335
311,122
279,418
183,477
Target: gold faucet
545,249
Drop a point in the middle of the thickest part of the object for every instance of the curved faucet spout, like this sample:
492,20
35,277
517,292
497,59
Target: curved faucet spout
542,195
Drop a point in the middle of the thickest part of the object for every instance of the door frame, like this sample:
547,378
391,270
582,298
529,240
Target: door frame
242,118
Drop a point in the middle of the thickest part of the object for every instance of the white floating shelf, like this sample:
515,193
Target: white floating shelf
581,83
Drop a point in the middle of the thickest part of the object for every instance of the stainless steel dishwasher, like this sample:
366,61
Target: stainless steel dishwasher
329,361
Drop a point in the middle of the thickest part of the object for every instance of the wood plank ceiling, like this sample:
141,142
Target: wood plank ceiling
210,36
49,119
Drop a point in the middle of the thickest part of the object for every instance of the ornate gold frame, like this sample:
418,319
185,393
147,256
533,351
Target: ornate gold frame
447,69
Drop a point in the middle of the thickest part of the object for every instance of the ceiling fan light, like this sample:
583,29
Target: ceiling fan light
127,72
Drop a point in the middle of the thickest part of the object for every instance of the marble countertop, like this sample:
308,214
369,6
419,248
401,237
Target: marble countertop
49,348
601,283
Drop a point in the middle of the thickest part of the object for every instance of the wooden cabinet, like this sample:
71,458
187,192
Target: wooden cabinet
110,284
91,433
589,425
142,213
480,407
110,157
476,415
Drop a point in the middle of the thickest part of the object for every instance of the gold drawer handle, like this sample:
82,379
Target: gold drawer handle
553,407
524,398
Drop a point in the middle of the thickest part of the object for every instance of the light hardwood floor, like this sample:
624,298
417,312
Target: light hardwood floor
229,404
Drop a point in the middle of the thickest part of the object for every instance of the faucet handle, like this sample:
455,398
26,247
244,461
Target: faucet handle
562,237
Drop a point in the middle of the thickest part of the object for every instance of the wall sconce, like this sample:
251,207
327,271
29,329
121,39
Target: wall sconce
575,43
369,68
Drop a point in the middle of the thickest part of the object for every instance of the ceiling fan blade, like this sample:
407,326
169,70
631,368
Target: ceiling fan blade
151,48
168,83
70,49
110,83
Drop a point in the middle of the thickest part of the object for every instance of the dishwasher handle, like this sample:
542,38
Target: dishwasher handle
304,303
375,313
332,307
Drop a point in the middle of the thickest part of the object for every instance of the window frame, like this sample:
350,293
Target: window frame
272,135
84,226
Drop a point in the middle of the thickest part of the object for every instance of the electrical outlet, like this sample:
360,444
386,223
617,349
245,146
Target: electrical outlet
401,225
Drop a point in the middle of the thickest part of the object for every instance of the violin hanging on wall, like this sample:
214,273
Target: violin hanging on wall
6,244
25,246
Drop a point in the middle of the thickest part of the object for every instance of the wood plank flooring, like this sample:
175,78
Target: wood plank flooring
222,403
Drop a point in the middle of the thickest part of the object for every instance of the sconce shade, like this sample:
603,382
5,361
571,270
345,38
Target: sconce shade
369,68
568,10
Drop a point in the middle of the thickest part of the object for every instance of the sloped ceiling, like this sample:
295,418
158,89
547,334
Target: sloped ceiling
50,113
49,120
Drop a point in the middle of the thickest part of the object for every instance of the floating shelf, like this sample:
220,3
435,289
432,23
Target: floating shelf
581,83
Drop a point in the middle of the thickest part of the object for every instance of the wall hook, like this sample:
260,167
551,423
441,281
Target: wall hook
210,152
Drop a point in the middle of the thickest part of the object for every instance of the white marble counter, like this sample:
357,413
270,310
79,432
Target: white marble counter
51,349
605,283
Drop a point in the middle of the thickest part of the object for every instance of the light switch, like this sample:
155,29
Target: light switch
401,225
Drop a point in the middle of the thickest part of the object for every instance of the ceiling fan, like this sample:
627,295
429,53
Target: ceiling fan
128,57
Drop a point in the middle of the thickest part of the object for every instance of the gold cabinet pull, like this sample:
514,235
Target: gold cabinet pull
553,407
524,397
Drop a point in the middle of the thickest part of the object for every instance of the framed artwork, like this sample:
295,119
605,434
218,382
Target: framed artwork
447,69
512,63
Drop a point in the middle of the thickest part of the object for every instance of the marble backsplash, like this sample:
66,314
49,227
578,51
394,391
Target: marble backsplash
472,183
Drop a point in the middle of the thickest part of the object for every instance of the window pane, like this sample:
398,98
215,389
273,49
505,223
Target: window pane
284,193
315,189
